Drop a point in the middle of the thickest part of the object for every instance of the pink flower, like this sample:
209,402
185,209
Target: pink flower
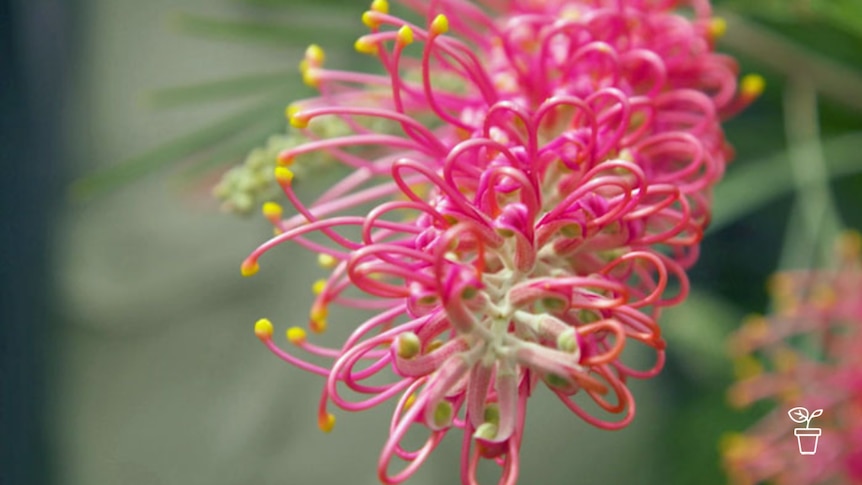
812,346
536,186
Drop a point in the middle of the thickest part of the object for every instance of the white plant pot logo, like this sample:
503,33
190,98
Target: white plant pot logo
807,437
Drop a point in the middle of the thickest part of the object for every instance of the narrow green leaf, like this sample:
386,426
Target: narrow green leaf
267,32
232,151
172,151
219,90
753,184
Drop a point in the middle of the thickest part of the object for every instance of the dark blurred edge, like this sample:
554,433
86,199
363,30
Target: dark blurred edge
34,59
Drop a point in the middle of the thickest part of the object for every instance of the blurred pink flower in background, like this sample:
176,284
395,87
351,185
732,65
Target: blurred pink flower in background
530,179
808,353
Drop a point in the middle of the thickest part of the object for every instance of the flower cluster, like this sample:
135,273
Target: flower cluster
532,179
807,353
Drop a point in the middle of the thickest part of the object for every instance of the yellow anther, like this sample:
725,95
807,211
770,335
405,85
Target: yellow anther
326,422
318,312
440,25
277,231
752,85
249,267
405,35
283,175
303,66
311,78
298,120
272,210
369,20
284,159
263,329
318,326
290,111
717,27
318,286
365,46
409,402
381,6
315,55
326,261
296,335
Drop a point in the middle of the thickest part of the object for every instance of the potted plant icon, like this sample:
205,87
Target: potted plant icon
807,437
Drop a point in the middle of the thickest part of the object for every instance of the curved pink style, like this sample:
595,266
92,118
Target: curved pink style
533,178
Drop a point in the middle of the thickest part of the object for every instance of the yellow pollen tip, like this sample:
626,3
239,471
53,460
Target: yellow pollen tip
263,329
277,231
272,210
297,120
326,422
409,402
315,55
285,159
249,267
364,46
752,85
317,317
310,78
296,335
318,326
405,35
318,286
283,175
369,20
326,261
381,6
290,111
717,27
440,25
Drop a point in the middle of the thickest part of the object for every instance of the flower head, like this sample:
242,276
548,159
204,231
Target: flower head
806,354
539,176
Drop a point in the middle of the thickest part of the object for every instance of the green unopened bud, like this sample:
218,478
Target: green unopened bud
469,292
486,431
588,316
443,414
571,230
567,341
408,345
555,380
492,413
554,304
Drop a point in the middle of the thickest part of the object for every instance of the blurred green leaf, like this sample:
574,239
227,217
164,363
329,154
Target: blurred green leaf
752,185
843,14
218,90
696,332
232,150
259,31
177,149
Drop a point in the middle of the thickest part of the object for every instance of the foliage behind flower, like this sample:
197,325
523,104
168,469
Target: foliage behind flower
807,353
537,182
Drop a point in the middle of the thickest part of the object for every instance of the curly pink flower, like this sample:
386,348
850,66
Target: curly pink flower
535,187
812,346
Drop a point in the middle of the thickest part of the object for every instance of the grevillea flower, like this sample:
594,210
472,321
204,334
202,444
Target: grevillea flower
807,353
525,190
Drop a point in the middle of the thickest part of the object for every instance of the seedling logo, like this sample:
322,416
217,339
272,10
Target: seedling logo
807,437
